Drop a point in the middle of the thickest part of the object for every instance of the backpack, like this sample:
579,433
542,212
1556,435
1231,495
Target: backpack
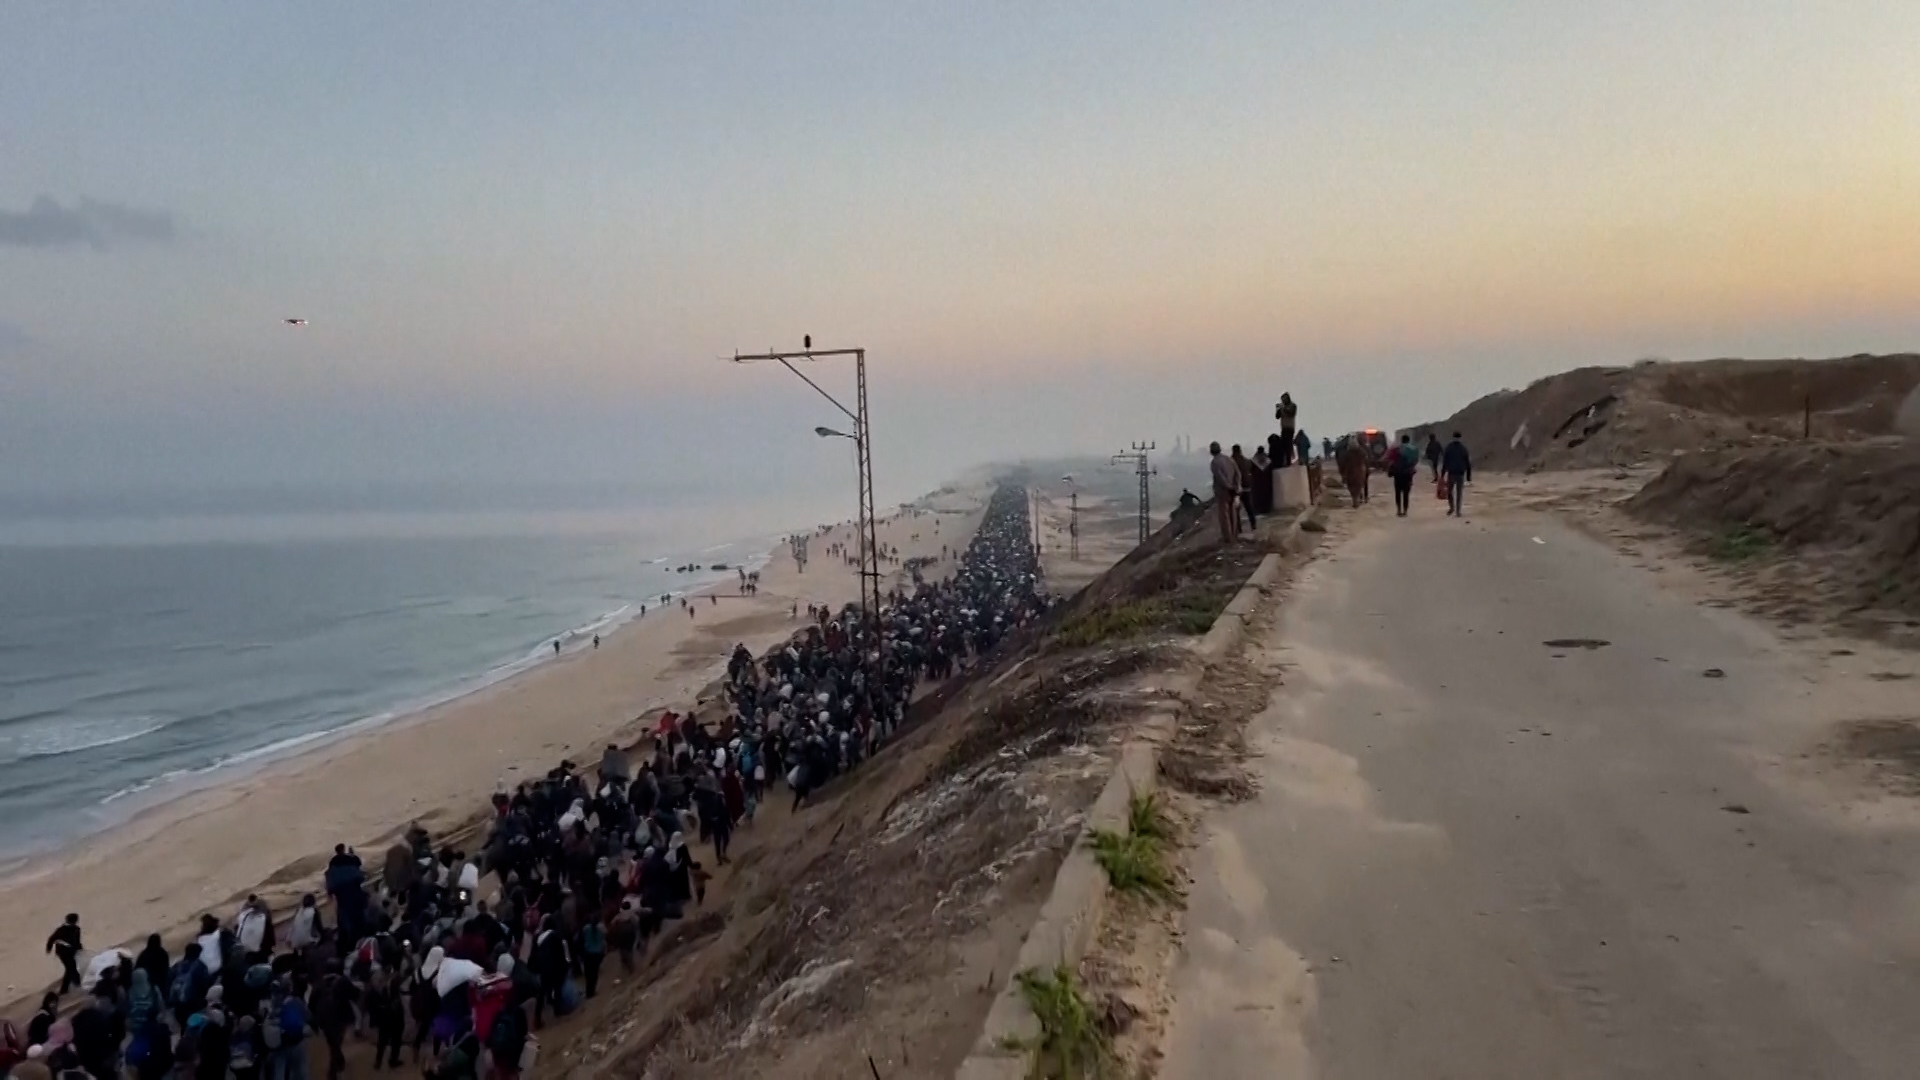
292,1021
180,990
508,1034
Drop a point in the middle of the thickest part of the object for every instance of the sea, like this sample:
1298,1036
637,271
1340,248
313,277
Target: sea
145,657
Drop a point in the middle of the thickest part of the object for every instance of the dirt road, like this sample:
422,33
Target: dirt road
1513,824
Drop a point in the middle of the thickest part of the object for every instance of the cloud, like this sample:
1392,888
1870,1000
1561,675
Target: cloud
96,224
13,338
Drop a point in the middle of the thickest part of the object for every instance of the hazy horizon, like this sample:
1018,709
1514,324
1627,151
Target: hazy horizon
526,243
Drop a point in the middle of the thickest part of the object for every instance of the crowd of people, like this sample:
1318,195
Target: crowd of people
1451,466
1243,486
580,865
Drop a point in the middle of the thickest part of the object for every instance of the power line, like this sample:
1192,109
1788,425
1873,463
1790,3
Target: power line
1073,519
869,545
1136,455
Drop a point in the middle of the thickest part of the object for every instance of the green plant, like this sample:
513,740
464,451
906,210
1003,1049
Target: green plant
1736,545
1146,818
1136,861
1072,1044
1109,623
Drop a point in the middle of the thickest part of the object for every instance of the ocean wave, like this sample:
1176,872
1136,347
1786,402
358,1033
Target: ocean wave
105,697
40,678
144,785
278,748
19,719
221,646
171,764
74,737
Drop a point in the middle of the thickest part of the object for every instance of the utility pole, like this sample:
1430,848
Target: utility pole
862,436
1073,518
1136,456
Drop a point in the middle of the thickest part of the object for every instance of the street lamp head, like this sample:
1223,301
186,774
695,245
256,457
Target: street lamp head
829,433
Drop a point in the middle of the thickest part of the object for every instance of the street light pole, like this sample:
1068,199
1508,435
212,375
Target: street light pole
862,436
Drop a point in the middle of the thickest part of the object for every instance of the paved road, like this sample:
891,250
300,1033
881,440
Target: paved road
1479,856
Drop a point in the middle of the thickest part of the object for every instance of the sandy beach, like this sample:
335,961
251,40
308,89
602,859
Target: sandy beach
271,830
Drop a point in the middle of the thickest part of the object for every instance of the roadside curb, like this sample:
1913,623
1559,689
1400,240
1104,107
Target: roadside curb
1231,627
1070,918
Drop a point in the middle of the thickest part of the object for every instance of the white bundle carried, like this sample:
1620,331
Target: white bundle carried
454,974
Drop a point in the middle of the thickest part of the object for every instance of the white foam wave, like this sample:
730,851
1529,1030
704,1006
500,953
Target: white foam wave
72,736
576,637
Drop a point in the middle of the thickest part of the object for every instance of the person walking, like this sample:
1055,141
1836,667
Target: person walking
1226,484
551,960
593,951
1458,466
1434,450
1403,464
64,943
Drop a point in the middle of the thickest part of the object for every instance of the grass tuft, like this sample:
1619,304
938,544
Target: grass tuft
1136,862
1738,545
1072,1044
1146,818
1112,623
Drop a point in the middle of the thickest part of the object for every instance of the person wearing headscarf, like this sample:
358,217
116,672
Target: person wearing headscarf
216,1037
155,961
150,1046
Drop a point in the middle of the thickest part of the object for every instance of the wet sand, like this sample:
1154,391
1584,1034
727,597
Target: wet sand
272,830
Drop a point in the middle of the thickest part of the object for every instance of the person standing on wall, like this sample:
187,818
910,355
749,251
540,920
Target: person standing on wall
1287,413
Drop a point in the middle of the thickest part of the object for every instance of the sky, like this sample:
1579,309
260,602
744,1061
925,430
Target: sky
526,237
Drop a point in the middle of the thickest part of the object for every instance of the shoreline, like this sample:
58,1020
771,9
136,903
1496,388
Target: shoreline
156,793
269,829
